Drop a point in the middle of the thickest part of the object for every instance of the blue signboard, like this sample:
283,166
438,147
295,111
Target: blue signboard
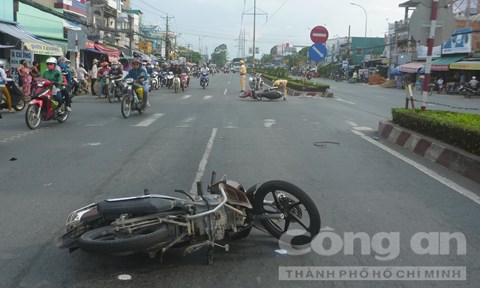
317,52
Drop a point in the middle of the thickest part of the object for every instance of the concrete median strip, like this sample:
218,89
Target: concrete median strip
464,163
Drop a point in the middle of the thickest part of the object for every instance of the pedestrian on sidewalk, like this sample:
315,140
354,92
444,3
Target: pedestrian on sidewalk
93,76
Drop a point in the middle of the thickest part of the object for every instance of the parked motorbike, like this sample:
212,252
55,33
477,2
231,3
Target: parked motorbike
170,77
115,87
43,107
132,97
18,99
204,80
153,223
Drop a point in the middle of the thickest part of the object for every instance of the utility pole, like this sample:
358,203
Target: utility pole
167,39
254,24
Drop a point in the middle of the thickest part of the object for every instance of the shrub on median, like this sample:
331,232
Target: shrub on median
298,85
461,130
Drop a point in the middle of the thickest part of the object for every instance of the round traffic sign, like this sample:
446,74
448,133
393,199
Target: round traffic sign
317,52
319,34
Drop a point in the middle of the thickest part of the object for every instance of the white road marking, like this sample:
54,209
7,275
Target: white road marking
186,122
450,184
230,126
186,96
345,101
149,120
362,128
353,124
203,162
93,144
206,97
225,92
268,123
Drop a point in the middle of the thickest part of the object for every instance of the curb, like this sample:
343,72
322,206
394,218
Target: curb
461,162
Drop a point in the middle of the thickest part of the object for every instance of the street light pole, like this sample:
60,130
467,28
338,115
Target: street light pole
365,38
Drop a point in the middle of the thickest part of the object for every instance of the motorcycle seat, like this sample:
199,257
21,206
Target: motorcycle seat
138,205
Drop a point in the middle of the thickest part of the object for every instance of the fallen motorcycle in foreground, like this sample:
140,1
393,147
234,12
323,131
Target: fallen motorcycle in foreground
154,224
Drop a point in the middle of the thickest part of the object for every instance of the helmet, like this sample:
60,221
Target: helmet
135,61
473,78
104,64
242,62
62,59
95,61
51,60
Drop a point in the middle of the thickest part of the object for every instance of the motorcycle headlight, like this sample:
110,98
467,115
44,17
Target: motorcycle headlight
76,216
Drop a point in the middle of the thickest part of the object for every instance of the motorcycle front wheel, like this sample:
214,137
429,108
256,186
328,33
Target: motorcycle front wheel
108,241
111,93
31,117
126,106
20,105
299,210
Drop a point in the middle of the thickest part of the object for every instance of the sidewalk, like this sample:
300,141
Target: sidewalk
463,163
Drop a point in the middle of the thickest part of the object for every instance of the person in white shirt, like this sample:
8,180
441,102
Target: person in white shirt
82,74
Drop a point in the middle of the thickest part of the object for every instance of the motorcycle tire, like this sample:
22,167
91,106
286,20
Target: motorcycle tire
296,206
105,240
126,106
111,94
20,105
32,121
176,88
62,118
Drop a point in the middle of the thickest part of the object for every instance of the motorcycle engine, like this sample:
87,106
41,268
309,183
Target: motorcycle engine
212,225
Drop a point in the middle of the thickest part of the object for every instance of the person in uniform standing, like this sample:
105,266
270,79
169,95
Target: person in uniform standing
243,75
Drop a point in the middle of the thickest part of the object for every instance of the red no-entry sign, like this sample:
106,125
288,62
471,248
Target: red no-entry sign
319,34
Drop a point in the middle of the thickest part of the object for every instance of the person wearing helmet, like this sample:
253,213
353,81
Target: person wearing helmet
473,83
102,74
82,75
93,76
139,73
243,75
68,81
55,76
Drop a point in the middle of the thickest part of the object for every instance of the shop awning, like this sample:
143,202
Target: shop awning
411,67
442,64
465,65
30,41
113,54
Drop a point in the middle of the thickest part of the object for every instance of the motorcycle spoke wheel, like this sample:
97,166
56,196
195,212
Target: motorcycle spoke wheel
31,117
107,241
126,106
300,212
111,94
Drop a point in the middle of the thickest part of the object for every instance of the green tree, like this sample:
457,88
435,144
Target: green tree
219,55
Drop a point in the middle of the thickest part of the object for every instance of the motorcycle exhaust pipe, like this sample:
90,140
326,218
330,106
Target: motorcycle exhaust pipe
279,216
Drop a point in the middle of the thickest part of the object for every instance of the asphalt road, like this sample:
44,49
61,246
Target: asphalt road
389,197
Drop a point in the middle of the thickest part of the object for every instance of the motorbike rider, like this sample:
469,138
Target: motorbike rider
82,74
243,75
139,73
55,76
101,78
4,90
66,87
473,83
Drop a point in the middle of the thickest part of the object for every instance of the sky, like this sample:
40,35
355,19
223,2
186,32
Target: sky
206,24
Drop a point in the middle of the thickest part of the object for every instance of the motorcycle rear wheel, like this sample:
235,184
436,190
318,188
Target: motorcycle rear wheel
300,211
30,117
126,106
20,105
105,240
